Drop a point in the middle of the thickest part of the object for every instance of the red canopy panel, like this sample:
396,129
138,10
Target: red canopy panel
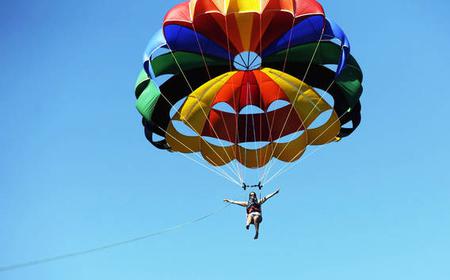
213,26
308,7
276,19
274,25
179,15
264,127
249,88
205,6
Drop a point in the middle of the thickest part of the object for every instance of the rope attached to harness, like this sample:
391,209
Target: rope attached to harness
105,247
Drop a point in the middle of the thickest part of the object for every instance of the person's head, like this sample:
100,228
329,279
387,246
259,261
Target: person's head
252,196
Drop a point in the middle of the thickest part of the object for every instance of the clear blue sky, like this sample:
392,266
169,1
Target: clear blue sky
76,171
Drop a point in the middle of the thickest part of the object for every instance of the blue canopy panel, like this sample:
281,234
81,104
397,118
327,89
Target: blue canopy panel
154,49
156,42
180,38
312,30
307,31
334,31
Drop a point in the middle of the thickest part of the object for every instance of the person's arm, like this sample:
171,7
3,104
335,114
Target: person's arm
240,203
264,199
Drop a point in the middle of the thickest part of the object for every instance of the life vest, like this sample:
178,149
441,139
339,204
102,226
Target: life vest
253,207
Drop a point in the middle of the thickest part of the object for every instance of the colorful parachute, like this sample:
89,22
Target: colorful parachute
237,54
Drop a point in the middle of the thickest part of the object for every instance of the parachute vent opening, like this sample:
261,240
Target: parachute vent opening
325,96
176,107
159,52
157,137
332,67
335,41
224,107
247,61
289,138
251,110
348,125
253,145
218,142
278,104
160,80
182,128
321,120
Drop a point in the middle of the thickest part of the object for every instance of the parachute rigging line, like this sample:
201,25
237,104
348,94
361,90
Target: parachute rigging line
254,130
224,175
240,172
220,171
303,150
107,246
223,172
270,165
285,168
209,75
204,113
296,96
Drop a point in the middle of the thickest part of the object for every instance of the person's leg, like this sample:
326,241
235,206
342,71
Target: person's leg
249,221
256,222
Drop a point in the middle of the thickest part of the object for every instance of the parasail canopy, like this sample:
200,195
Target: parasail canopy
214,71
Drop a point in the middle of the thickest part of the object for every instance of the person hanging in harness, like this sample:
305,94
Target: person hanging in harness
254,211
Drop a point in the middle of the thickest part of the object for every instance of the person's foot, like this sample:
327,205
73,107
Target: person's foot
256,236
247,227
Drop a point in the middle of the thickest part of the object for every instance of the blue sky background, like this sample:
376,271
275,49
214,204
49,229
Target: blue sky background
76,171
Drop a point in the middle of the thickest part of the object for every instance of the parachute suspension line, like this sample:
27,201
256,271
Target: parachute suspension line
254,133
260,31
320,99
242,65
201,51
259,73
246,127
236,172
238,164
254,59
220,172
303,80
240,173
287,168
261,178
204,113
284,169
74,254
228,40
314,107
242,59
298,92
279,89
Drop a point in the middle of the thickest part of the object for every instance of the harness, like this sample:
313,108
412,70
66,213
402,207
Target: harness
253,206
